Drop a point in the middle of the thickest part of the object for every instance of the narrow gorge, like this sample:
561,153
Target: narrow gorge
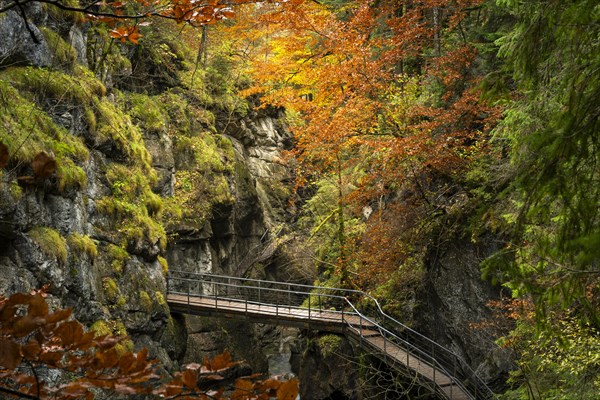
156,169
298,143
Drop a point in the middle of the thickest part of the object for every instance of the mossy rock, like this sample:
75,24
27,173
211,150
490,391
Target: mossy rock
329,344
28,131
134,208
164,265
50,242
112,292
118,257
146,302
83,244
63,54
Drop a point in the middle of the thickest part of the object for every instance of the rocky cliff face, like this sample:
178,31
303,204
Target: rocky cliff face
141,183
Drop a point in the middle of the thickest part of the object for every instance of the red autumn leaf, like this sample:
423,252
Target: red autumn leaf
220,361
213,377
51,357
126,362
288,390
126,389
69,332
242,389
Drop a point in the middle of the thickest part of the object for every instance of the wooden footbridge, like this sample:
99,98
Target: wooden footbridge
349,312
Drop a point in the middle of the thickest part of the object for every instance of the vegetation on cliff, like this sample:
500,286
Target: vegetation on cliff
417,125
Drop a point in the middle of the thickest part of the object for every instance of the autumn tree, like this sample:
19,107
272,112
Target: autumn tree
386,86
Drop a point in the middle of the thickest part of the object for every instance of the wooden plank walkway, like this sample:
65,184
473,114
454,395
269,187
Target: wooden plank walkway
357,328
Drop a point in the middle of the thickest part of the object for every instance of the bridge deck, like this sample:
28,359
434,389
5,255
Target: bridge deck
357,328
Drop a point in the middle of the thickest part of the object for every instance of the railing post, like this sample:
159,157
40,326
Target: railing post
289,295
215,292
360,334
319,298
384,349
309,307
259,291
188,292
433,360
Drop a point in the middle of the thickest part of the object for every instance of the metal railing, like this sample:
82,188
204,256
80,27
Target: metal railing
360,311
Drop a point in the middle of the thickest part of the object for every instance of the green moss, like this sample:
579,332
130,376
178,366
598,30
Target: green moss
114,328
164,265
63,54
80,88
329,344
133,206
147,111
27,130
61,15
145,301
113,123
119,256
101,328
50,242
160,298
83,244
111,290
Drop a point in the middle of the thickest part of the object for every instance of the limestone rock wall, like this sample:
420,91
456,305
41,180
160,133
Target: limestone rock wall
103,227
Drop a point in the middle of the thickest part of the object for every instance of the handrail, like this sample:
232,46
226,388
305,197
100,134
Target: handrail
414,343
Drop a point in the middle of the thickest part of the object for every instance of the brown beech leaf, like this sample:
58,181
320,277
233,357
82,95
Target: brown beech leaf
220,361
58,316
4,156
126,362
189,378
288,390
32,349
243,389
10,354
37,306
27,324
43,165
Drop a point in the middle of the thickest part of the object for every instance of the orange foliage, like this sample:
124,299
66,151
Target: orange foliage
346,77
33,339
388,83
